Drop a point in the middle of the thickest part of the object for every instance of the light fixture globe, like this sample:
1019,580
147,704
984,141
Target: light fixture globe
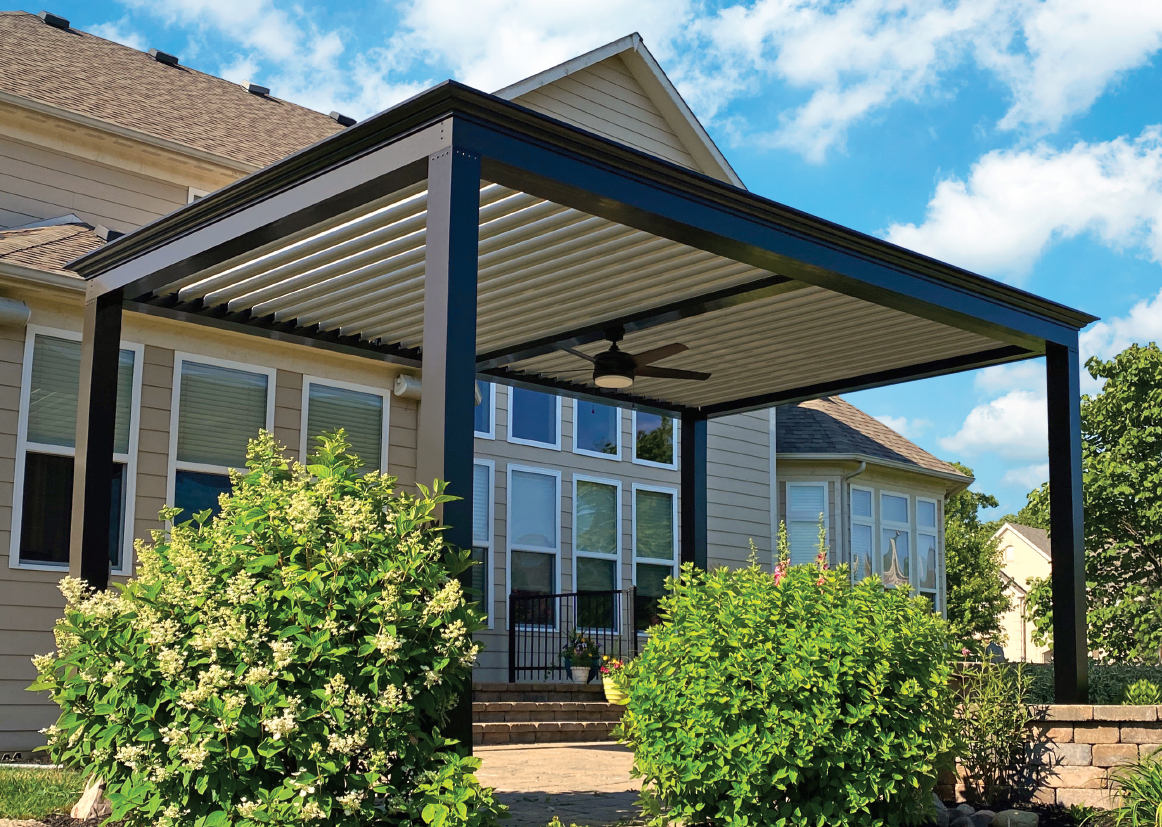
613,369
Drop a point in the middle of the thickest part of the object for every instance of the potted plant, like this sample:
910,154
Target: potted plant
610,678
580,655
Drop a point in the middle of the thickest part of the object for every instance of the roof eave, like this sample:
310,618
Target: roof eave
959,481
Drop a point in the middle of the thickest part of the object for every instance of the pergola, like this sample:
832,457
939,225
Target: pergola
469,237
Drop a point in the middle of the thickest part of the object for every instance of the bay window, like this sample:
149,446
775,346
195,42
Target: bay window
655,549
596,429
908,542
596,549
927,578
46,433
863,530
361,411
534,540
534,418
218,407
895,539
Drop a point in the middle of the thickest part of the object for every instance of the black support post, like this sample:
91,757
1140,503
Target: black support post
693,499
1066,535
89,550
445,434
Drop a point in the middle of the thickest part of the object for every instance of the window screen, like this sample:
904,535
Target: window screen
360,414
219,411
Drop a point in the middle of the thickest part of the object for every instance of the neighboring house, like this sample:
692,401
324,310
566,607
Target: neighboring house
1024,556
98,139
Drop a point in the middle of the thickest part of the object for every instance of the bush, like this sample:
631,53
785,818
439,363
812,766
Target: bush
995,718
1139,799
291,660
796,699
1143,693
1108,682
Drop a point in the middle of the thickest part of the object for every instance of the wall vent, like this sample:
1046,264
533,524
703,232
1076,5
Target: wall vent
54,20
163,57
342,120
255,89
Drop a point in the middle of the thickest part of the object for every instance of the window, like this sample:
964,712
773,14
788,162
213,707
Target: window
863,528
596,549
895,539
596,429
655,549
806,504
534,418
653,439
482,533
46,433
485,410
534,511
361,411
218,407
927,579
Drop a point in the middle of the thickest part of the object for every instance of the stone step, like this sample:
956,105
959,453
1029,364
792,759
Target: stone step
541,732
502,711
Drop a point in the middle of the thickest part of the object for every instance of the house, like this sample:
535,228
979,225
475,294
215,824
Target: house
1024,556
569,494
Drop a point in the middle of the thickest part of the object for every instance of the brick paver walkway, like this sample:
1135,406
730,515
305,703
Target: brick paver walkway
586,784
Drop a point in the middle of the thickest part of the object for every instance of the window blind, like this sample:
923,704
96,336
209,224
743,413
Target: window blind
360,414
805,504
480,498
596,517
654,525
219,411
534,509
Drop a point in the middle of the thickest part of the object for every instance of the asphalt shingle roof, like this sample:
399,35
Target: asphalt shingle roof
833,426
1037,536
122,86
48,248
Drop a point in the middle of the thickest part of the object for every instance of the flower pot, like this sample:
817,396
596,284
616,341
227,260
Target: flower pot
580,674
612,693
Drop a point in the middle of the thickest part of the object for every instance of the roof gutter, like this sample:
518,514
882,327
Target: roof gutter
960,480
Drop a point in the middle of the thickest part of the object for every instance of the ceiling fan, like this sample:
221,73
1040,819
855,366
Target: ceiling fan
615,369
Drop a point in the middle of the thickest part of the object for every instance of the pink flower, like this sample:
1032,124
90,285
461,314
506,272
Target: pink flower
780,572
821,580
964,651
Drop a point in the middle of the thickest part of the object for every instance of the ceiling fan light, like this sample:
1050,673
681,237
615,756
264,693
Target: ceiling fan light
612,381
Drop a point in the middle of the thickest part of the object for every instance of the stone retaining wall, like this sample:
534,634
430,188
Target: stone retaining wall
1078,745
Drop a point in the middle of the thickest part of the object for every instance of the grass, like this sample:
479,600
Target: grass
36,793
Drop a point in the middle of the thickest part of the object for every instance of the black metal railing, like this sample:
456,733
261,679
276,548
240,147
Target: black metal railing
540,626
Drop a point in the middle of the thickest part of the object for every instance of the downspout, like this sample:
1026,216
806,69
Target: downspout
845,505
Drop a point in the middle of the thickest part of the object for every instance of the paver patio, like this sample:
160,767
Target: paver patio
588,784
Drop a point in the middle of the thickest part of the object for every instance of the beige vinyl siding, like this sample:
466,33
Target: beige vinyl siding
153,439
37,183
401,444
288,411
738,489
606,99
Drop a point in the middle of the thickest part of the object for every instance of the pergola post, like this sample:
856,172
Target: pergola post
445,434
693,497
1066,535
92,512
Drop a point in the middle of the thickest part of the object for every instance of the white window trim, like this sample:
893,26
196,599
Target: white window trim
616,457
826,507
181,358
510,547
532,442
673,466
193,194
490,545
491,403
23,446
908,526
870,522
304,439
939,548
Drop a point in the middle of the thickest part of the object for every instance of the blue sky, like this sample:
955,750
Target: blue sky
1018,138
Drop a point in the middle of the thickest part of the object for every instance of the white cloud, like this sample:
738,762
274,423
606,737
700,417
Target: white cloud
1143,324
119,32
1016,202
1015,426
1028,476
910,428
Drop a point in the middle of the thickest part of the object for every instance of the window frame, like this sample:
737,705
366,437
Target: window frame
910,527
491,403
870,522
673,466
585,452
508,534
939,549
596,555
675,561
304,413
129,460
515,440
179,359
825,485
490,546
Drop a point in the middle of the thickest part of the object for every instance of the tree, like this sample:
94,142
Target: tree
1121,430
976,591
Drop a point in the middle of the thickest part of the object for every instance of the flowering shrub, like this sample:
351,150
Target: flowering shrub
792,699
289,661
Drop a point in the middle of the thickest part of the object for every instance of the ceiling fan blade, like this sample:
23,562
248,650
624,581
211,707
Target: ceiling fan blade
670,373
578,353
657,354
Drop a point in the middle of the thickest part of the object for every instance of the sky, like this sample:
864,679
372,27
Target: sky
1021,139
